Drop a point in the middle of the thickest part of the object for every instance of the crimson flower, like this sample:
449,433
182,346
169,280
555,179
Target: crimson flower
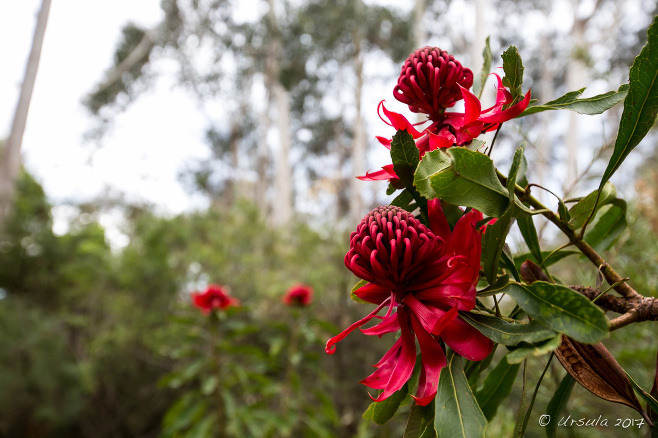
420,277
427,96
299,295
214,297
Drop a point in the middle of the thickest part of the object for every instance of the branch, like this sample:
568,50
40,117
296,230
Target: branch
140,51
636,309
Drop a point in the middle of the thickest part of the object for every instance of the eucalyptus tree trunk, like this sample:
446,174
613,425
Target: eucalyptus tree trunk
282,206
576,78
420,32
10,163
359,141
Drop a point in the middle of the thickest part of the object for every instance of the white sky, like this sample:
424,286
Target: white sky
143,154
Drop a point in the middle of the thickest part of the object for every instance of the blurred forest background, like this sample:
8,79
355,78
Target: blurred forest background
98,336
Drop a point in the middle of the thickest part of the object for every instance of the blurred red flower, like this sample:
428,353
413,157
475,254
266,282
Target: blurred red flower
215,297
300,295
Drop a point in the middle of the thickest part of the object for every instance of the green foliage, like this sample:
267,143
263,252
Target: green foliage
457,410
562,309
640,105
589,106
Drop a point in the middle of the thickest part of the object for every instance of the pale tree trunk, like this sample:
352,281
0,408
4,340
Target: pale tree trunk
576,78
359,141
420,33
11,154
480,35
263,156
282,206
547,91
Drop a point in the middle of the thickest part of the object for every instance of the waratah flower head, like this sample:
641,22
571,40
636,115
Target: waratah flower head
430,81
213,298
299,295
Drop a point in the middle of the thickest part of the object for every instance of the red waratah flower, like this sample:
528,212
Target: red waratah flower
214,297
421,277
430,81
446,129
299,295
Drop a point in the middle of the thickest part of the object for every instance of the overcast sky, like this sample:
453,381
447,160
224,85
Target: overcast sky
143,154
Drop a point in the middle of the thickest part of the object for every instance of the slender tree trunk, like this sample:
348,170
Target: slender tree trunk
359,141
282,206
576,78
420,33
11,154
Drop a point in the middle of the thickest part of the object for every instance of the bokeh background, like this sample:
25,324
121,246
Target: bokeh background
170,144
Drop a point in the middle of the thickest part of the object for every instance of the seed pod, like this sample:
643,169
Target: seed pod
597,371
531,272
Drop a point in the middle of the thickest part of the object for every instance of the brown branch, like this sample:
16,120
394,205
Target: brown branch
611,276
635,309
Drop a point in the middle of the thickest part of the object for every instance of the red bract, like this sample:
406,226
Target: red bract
299,295
214,297
421,277
446,129
429,81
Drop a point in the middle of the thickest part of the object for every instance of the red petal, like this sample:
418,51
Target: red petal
466,340
387,173
330,348
385,141
388,325
433,360
399,122
440,141
509,113
472,105
405,362
372,293
438,221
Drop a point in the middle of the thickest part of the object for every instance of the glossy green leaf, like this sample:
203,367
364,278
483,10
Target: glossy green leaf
525,349
562,309
651,401
607,229
405,201
481,79
405,156
457,412
549,257
529,232
381,412
462,177
582,210
508,263
589,106
641,103
513,68
508,333
493,243
494,288
557,404
421,422
356,287
496,387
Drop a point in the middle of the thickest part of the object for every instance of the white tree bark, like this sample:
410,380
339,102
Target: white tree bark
359,143
11,154
420,33
282,208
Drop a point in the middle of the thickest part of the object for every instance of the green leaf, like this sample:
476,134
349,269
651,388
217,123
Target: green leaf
381,412
421,422
529,232
589,106
356,287
496,287
507,333
513,68
558,403
562,309
603,234
651,402
462,177
582,210
496,387
405,156
479,81
404,200
457,410
549,257
641,103
520,414
493,243
525,349
508,263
